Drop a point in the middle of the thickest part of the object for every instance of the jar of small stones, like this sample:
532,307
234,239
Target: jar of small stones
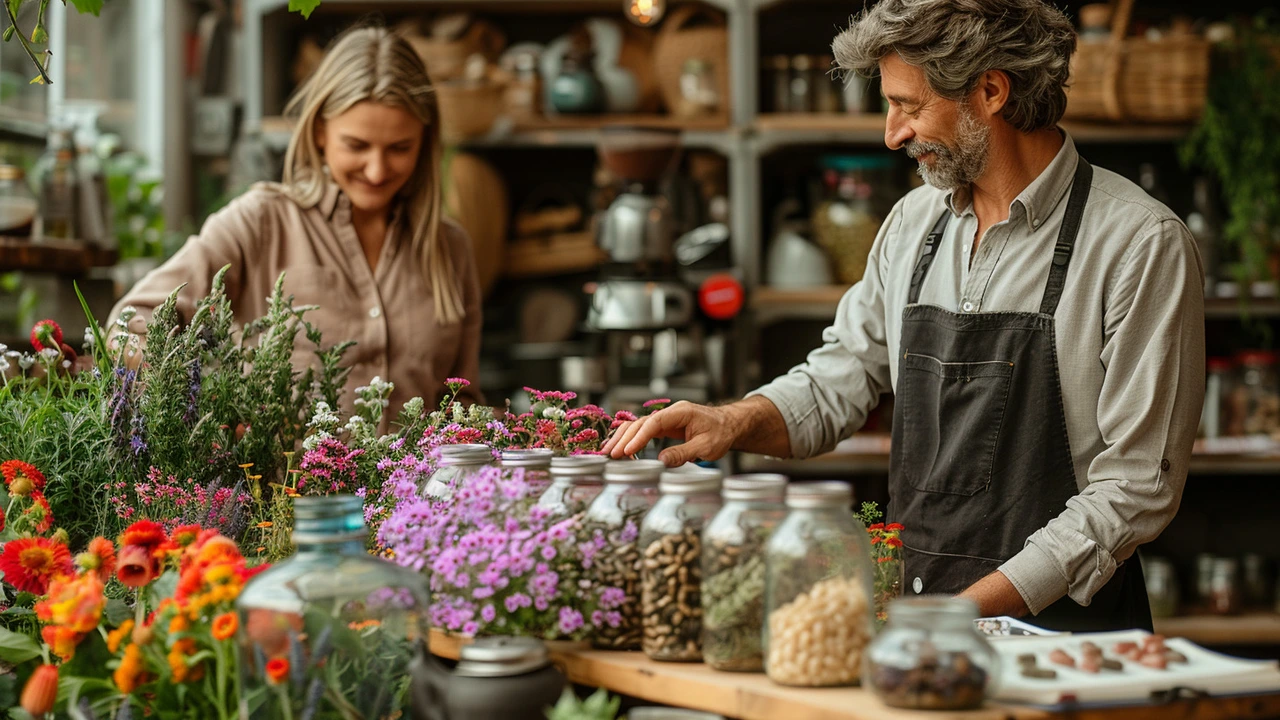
575,481
733,571
817,589
612,523
671,577
454,464
535,462
931,656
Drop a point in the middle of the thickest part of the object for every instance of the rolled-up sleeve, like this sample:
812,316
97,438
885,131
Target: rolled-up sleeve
826,398
1148,412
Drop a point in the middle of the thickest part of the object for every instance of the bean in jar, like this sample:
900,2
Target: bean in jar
733,572
931,656
671,538
817,589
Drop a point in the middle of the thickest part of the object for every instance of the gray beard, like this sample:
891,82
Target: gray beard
960,165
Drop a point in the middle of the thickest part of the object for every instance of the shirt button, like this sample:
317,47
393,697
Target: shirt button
375,312
917,585
968,307
1164,465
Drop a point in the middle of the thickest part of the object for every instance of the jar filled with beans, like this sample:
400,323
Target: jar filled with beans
733,571
931,656
611,527
817,589
575,482
671,577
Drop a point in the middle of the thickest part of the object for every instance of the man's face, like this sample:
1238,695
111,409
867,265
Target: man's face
945,136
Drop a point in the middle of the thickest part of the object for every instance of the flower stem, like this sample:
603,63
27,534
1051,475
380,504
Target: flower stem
13,20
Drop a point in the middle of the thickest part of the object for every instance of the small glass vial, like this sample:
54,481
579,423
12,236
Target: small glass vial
575,482
457,463
931,656
671,541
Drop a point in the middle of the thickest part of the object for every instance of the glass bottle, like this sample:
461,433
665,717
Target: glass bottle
1224,587
18,205
931,656
826,93
846,223
612,526
456,463
1256,581
1215,419
698,92
779,80
671,578
1162,586
305,621
59,189
817,589
800,96
575,482
535,462
1261,391
733,571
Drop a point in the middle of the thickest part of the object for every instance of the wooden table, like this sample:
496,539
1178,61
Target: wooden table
751,696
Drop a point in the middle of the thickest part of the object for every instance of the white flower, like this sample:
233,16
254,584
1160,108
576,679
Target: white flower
313,441
26,361
324,416
4,364
48,355
354,424
553,413
3,348
88,338
66,364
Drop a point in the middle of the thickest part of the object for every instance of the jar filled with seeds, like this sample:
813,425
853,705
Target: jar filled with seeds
931,656
733,571
818,606
671,577
575,481
535,462
611,529
456,463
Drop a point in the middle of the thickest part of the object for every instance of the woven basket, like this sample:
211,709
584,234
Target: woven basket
468,110
1138,80
691,31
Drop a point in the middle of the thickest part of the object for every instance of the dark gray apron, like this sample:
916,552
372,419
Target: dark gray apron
980,458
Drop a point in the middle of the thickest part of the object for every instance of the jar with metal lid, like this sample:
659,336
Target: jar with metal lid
1216,419
1204,578
818,606
18,205
931,656
671,577
575,482
497,678
733,571
1224,592
535,462
454,465
1162,586
1261,390
611,551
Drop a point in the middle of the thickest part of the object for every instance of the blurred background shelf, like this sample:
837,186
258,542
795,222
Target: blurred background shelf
1253,629
22,125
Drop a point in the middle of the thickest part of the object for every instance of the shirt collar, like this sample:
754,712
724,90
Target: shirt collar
1040,197
334,198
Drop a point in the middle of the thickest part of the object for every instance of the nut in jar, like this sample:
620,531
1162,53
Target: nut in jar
818,638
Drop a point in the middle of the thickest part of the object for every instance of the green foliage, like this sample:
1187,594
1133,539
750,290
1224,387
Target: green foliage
869,514
1236,139
16,648
600,706
306,7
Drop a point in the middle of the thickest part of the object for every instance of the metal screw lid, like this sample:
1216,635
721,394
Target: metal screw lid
331,518
756,486
690,479
469,454
502,656
634,472
823,494
579,468
532,458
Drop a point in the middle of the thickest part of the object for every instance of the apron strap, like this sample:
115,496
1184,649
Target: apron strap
926,258
1067,237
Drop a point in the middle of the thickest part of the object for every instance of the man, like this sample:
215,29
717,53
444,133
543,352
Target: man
1040,322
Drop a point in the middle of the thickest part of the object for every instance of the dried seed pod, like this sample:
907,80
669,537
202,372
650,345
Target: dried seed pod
1060,657
1039,673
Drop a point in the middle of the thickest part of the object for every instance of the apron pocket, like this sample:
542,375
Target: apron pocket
954,413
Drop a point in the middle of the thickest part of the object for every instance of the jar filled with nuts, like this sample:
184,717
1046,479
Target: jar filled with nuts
611,525
931,656
671,577
455,464
575,481
733,571
535,462
817,589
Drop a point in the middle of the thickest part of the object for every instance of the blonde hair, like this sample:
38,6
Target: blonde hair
374,64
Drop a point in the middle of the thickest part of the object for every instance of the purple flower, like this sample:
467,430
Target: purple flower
628,533
488,613
540,604
570,620
482,592
470,628
548,552
597,618
613,618
612,598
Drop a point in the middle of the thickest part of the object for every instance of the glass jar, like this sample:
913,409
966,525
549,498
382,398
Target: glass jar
826,91
847,221
455,464
1162,586
800,95
575,482
18,205
1261,392
671,577
535,462
817,589
733,571
931,656
1216,420
1256,582
59,189
612,527
316,612
1224,587
778,79
699,95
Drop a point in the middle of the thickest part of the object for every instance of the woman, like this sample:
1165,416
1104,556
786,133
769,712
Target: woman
356,227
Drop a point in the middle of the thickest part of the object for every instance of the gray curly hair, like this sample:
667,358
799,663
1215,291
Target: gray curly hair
955,41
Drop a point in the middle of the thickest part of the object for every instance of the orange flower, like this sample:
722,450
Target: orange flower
13,470
178,658
178,624
277,670
147,533
119,635
39,509
41,691
29,564
130,673
893,542
99,559
73,603
894,527
61,640
184,535
138,566
875,527
875,539
225,625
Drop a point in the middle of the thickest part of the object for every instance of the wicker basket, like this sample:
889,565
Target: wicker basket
691,31
468,110
1138,80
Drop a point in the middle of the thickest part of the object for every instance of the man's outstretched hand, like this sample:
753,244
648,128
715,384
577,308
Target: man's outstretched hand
707,433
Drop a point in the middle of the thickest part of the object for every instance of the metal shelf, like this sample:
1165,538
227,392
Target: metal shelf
27,126
1251,629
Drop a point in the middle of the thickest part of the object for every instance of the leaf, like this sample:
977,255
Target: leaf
8,33
13,7
37,80
306,7
93,7
8,690
17,612
16,648
117,611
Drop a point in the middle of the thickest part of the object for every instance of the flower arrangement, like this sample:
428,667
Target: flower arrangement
886,555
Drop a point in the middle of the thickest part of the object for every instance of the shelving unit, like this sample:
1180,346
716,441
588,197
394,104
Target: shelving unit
1250,629
25,126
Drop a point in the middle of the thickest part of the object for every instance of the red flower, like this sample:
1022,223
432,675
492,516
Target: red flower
41,692
876,527
46,333
277,670
14,470
894,527
184,535
40,508
875,539
146,533
893,542
62,641
99,559
138,566
29,564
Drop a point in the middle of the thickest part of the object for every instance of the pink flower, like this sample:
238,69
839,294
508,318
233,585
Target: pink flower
570,620
657,401
460,382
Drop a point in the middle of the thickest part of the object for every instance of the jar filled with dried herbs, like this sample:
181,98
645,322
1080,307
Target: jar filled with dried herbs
611,529
575,482
733,571
671,578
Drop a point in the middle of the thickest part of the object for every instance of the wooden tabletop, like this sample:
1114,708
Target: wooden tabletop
752,696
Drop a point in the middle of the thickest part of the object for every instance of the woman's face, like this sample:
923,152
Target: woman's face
371,151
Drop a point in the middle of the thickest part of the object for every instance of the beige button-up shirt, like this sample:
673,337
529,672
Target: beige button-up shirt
387,310
1130,347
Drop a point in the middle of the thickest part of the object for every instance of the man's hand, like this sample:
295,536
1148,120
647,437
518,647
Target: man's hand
708,433
995,596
